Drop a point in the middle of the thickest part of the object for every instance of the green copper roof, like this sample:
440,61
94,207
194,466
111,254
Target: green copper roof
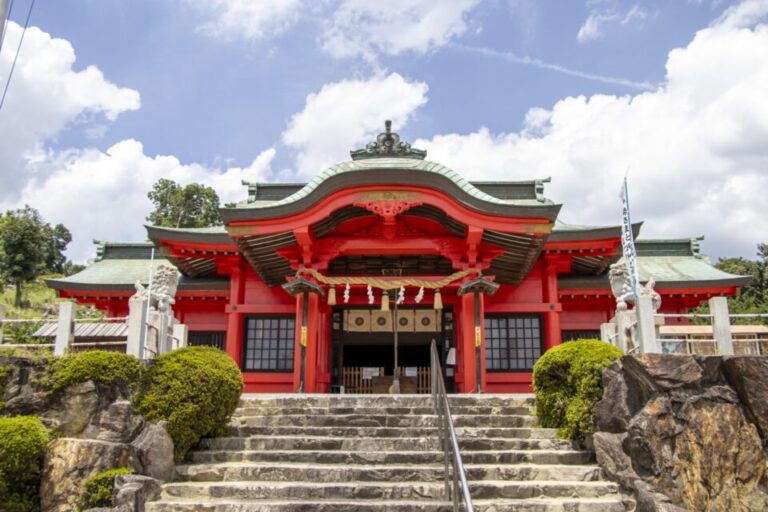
384,164
110,272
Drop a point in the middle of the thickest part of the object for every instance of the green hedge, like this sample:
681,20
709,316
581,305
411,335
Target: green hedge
102,367
566,380
22,442
195,389
98,489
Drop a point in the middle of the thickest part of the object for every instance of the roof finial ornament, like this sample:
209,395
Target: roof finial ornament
387,145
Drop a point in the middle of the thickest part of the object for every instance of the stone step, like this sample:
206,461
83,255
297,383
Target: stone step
381,443
361,456
461,432
297,400
398,411
522,465
606,504
420,491
361,420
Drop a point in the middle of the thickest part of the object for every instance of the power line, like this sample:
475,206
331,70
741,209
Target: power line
18,49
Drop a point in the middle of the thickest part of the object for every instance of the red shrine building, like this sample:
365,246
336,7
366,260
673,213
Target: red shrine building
389,218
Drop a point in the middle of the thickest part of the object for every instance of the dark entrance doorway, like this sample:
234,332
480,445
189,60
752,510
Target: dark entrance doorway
362,348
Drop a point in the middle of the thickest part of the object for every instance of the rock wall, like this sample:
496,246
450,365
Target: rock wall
99,431
686,432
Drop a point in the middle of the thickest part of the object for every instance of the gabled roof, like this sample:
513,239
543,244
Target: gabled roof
673,264
120,266
394,171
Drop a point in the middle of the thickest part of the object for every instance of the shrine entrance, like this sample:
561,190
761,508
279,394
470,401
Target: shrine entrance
362,349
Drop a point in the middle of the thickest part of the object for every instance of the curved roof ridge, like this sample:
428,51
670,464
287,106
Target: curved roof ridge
385,163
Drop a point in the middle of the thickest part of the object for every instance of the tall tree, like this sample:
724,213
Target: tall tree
192,206
24,247
29,247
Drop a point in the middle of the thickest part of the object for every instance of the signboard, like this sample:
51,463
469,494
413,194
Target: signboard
370,372
627,239
411,371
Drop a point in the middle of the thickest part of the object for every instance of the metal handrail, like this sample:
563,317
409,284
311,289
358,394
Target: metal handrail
459,491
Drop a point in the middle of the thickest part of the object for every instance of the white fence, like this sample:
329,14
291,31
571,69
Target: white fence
139,334
643,330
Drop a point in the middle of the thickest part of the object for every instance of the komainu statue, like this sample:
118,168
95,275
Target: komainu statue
621,286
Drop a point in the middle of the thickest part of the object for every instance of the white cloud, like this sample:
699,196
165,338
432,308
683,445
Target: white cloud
103,195
345,115
366,28
45,96
593,27
696,146
248,19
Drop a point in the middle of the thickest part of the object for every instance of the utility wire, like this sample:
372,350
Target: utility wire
5,23
18,49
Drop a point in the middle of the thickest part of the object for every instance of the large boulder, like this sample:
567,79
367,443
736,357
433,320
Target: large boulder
69,463
748,375
622,398
719,459
155,449
663,371
117,422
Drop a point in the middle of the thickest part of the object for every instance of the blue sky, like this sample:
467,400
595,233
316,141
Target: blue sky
221,90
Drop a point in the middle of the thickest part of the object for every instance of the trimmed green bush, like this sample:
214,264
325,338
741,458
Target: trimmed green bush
195,389
22,442
98,489
566,380
102,367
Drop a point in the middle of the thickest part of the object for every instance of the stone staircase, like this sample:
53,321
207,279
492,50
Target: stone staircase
381,453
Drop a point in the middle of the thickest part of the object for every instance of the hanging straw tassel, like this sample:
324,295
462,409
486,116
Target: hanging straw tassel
384,301
438,300
332,296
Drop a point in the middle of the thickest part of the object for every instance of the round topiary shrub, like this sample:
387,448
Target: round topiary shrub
102,367
98,489
566,380
22,442
195,389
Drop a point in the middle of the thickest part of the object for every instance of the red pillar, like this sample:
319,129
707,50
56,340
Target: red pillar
234,342
469,340
552,333
310,368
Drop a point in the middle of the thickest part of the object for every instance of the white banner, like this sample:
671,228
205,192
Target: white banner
628,240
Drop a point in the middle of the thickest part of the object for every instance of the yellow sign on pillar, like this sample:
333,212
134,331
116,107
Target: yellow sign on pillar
303,336
478,337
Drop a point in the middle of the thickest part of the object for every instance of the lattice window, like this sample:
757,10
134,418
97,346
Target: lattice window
570,335
512,342
207,338
268,343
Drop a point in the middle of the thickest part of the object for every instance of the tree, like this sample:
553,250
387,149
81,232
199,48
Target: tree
29,247
192,206
753,298
25,247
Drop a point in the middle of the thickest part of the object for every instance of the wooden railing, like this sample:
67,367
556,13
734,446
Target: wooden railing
360,380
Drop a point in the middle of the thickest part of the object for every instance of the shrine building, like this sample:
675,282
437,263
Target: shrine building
306,284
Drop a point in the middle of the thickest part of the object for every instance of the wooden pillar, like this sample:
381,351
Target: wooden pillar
309,341
552,333
469,339
234,342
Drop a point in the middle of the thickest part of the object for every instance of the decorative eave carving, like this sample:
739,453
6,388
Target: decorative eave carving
388,145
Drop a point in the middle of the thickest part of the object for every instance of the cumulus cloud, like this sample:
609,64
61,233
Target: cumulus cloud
347,114
45,96
695,147
248,19
365,28
103,194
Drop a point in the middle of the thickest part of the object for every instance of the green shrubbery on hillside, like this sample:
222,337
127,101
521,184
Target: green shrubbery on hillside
22,442
98,489
566,380
102,367
195,389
